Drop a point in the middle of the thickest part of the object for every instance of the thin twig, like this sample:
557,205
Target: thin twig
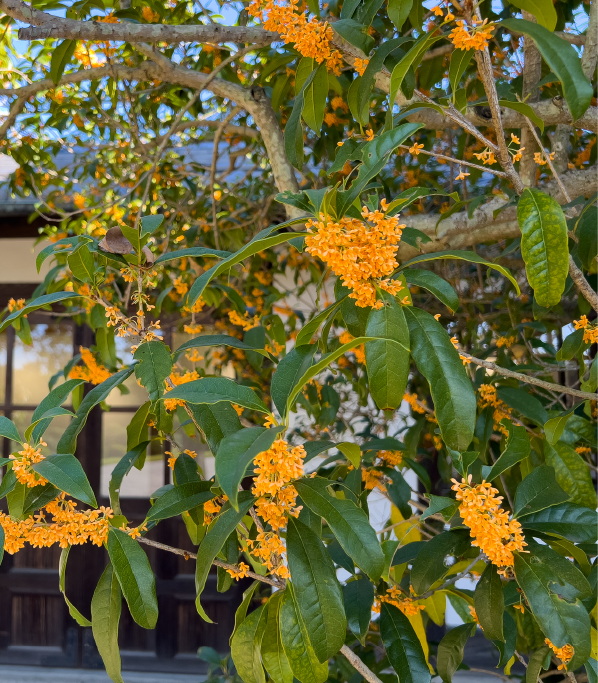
452,580
460,162
359,666
216,144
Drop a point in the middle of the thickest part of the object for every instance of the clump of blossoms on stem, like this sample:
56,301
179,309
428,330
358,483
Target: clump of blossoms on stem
275,469
22,466
492,531
590,335
502,411
361,253
565,653
67,526
93,372
394,596
312,38
474,37
178,378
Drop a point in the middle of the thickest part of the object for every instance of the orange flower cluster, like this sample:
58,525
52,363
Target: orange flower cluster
361,65
395,597
312,38
173,458
67,527
412,400
93,372
541,159
474,615
86,56
477,39
487,157
358,351
359,252
22,467
455,343
487,398
590,336
565,653
212,508
192,329
515,153
177,379
492,531
506,341
372,479
15,305
240,572
270,550
246,322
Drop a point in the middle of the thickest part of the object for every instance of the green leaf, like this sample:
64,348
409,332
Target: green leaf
288,373
259,243
489,603
48,416
351,451
55,398
73,611
537,491
210,390
543,10
68,441
295,641
460,60
293,132
387,360
588,240
135,577
66,473
555,427
38,497
81,264
106,605
398,11
8,429
216,422
40,302
561,621
438,286
440,504
2,539
429,565
137,429
572,473
317,590
218,340
544,244
534,664
123,467
358,597
407,197
61,56
360,115
274,658
309,329
403,647
185,470
518,448
193,252
314,97
236,452
149,224
245,647
573,345
563,61
348,522
566,579
180,499
352,31
451,389
469,256
576,523
450,650
523,108
241,612
376,62
154,366
523,402
213,542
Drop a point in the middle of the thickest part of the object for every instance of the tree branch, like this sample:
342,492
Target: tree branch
582,284
590,51
359,666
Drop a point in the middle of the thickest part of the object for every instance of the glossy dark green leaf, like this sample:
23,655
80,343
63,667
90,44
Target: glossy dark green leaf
274,658
185,470
180,499
573,345
563,60
506,649
245,647
154,366
39,302
236,452
450,650
537,491
68,441
206,340
317,590
412,58
429,565
314,99
355,317
440,504
81,264
565,578
451,388
555,427
37,497
106,605
588,240
561,621
124,466
211,390
398,11
521,400
66,473
348,522
403,648
135,577
544,244
352,31
61,56
518,448
293,131
8,429
534,664
387,360
212,544
573,522
54,399
73,611
572,473
438,286
216,422
193,252
288,372
398,491
358,598
241,612
303,662
460,60
489,603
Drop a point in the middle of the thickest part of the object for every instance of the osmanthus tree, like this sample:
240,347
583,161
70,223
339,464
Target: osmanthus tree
473,124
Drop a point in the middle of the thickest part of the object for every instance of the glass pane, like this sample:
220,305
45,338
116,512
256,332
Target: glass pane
35,365
114,445
2,366
22,419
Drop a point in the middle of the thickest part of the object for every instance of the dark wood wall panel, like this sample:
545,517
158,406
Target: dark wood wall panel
37,620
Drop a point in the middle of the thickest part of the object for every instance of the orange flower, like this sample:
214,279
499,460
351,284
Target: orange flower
177,379
361,65
240,572
590,335
565,653
15,305
22,467
395,597
93,372
358,351
415,149
488,397
246,323
477,39
412,400
492,531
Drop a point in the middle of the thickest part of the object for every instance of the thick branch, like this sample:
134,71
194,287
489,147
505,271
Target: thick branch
582,284
590,51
